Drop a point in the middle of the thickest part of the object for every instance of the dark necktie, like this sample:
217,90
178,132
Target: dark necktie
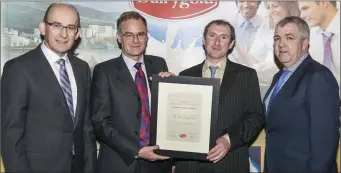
141,84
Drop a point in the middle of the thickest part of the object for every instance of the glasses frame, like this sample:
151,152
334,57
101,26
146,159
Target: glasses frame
55,24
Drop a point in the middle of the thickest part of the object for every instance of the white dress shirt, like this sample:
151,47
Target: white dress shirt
316,49
238,24
52,58
130,64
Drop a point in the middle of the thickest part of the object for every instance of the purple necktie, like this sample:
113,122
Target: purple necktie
141,84
327,55
66,87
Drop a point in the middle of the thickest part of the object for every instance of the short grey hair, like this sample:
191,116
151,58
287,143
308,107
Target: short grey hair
302,26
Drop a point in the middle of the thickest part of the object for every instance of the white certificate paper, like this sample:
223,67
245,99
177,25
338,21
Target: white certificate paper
184,117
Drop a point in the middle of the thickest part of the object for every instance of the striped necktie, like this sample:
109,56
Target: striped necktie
66,87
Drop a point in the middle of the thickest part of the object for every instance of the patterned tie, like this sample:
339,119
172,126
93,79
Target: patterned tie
277,87
66,86
327,56
141,84
213,71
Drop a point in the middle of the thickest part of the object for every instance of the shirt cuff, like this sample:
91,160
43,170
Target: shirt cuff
226,136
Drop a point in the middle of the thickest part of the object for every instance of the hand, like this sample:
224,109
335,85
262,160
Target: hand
164,74
147,153
219,151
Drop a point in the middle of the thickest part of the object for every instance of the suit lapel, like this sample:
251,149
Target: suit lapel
78,77
125,76
274,81
49,77
229,76
290,86
197,72
150,70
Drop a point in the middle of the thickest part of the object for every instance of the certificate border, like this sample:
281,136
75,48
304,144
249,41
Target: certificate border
214,113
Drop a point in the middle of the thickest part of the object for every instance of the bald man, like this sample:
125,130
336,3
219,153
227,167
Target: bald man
45,122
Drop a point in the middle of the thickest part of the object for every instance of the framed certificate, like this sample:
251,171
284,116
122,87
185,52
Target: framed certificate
184,116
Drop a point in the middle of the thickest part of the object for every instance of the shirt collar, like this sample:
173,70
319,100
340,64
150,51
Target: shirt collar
256,21
51,56
298,63
221,65
130,62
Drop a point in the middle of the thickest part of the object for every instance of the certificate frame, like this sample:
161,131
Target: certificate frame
158,129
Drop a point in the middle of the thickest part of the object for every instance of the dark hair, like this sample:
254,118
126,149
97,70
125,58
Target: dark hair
302,26
47,13
130,15
220,22
225,23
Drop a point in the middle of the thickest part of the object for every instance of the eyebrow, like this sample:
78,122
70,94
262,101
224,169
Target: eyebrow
289,34
62,24
218,34
128,32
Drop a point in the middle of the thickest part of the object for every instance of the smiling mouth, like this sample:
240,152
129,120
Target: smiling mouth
216,48
61,42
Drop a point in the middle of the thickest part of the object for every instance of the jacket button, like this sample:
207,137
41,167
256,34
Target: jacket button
136,132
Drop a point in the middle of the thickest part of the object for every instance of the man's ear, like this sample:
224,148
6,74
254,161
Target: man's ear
305,45
119,37
77,34
232,44
42,28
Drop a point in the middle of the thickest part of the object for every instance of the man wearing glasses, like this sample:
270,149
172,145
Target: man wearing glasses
45,121
120,103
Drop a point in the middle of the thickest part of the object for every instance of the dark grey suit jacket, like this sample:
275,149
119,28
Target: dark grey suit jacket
116,110
240,116
37,130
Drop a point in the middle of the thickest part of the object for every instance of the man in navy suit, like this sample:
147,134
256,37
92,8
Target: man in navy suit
302,106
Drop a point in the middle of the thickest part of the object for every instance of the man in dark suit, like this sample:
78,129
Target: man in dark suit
120,102
240,107
45,123
302,106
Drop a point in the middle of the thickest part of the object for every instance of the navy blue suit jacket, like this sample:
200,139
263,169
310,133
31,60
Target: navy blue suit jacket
303,121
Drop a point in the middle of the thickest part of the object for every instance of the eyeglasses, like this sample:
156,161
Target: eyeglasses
130,36
70,29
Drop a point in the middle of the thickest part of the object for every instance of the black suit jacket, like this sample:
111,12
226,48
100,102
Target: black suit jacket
37,130
240,116
116,110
